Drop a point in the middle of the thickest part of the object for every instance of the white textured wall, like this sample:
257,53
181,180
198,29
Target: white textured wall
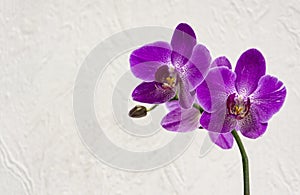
42,46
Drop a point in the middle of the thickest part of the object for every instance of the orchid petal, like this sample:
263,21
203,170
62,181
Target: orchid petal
218,122
186,98
250,68
223,140
152,93
183,41
197,67
221,61
269,97
145,60
181,120
250,126
172,105
213,92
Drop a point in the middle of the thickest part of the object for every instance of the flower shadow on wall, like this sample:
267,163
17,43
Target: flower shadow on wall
227,101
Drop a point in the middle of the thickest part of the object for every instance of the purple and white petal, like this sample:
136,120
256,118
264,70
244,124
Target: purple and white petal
183,41
186,98
145,60
172,105
250,126
221,61
223,140
152,93
218,122
181,120
268,98
250,68
212,93
197,67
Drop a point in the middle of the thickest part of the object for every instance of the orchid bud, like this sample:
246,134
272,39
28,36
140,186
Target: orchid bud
138,112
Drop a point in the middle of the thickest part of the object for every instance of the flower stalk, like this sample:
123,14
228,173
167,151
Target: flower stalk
245,162
152,108
198,107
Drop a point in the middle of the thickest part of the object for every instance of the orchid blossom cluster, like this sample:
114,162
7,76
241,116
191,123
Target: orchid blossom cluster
203,93
182,73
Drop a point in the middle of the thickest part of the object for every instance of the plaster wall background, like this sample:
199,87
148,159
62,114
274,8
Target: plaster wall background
42,47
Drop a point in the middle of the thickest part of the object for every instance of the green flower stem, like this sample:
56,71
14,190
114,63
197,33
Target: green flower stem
153,107
198,107
245,162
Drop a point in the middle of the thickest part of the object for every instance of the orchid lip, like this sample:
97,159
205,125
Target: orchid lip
238,106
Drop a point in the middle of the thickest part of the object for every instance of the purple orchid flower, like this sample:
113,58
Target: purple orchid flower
168,69
244,100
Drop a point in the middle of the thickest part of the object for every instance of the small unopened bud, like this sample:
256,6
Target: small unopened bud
138,112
